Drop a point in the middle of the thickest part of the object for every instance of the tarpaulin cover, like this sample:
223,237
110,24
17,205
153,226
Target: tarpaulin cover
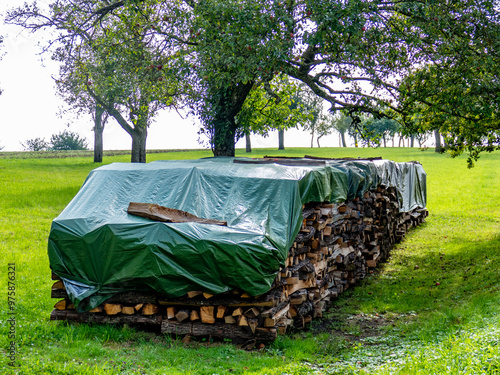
99,250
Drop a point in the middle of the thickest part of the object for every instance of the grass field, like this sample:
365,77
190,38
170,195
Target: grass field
432,308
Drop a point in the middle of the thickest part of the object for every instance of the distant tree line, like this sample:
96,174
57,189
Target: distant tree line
62,141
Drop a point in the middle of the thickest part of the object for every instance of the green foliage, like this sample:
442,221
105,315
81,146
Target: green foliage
458,95
382,129
35,144
67,140
272,105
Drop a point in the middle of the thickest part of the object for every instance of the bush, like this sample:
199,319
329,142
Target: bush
35,144
67,140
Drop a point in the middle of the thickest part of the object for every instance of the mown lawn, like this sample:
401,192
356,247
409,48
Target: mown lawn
432,308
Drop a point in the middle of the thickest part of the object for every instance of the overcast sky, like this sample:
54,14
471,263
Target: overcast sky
29,106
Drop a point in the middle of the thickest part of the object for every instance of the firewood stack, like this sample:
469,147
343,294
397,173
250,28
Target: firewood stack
335,247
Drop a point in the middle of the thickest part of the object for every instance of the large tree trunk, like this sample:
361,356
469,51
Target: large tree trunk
438,140
342,137
385,143
281,139
139,135
224,139
412,138
98,132
248,143
228,101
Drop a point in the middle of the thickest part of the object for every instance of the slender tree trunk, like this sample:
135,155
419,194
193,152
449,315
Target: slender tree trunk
317,141
139,135
281,139
342,137
248,143
412,138
385,145
98,132
312,139
438,140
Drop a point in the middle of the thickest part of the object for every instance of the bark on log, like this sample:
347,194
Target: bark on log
167,215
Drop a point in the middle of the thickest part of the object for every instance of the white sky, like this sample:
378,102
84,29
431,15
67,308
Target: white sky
29,106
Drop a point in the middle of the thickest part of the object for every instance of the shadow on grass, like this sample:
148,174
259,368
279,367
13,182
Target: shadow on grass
420,293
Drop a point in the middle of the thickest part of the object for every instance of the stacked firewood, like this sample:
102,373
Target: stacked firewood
336,246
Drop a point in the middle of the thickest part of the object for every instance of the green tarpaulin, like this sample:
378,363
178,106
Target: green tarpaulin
99,250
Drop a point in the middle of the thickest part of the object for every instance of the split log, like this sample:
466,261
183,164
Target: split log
112,308
128,310
194,315
149,309
61,305
58,285
171,311
207,314
238,312
182,315
221,311
242,320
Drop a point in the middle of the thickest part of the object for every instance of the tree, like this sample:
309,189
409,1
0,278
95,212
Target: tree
384,128
67,140
35,144
313,105
458,96
71,87
324,127
341,123
272,105
115,65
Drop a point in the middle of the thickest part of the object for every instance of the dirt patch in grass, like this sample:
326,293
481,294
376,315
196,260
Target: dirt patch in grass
355,327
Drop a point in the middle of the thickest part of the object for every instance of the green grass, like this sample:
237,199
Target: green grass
398,320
